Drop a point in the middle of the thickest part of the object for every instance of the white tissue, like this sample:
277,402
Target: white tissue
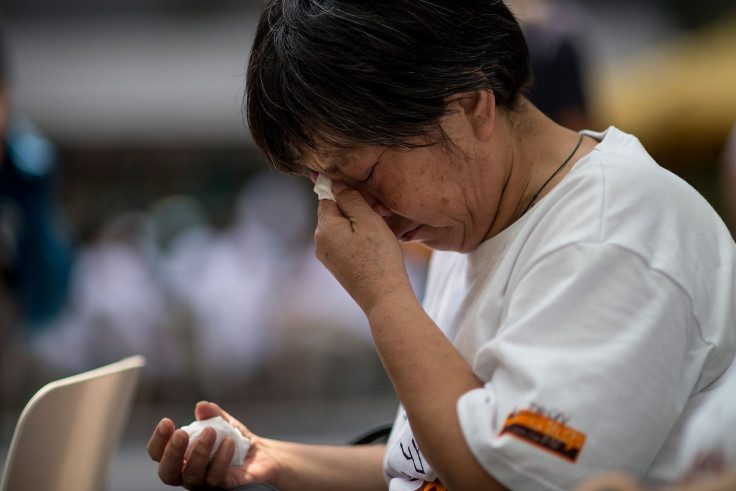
323,187
224,429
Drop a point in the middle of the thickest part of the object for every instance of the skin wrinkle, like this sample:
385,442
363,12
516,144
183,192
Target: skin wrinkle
456,150
463,244
504,188
472,216
519,125
526,190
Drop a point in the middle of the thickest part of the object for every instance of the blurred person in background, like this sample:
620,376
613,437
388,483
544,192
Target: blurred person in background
116,306
579,304
556,50
36,246
226,278
728,180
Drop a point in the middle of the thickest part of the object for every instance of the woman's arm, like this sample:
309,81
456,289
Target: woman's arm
285,465
307,467
428,373
429,376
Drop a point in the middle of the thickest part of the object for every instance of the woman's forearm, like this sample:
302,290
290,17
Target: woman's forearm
429,376
307,467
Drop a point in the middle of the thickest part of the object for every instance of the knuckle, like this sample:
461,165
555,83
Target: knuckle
213,480
191,482
168,478
200,451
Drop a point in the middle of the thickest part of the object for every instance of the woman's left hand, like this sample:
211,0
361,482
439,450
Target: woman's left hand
359,249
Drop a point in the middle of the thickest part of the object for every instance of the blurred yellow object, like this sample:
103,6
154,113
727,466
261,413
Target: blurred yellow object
678,97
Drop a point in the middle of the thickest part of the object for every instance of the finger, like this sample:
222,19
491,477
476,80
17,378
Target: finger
350,200
356,206
159,439
206,410
170,467
220,463
328,209
195,467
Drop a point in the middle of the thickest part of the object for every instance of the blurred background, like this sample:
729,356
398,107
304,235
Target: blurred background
136,217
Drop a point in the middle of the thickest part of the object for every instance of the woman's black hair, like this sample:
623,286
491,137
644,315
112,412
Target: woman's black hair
376,72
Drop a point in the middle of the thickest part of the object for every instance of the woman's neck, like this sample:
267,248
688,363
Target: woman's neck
533,147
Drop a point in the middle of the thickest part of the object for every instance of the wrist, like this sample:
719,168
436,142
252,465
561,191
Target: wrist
281,456
394,295
390,308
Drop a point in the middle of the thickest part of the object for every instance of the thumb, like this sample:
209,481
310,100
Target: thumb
351,202
207,410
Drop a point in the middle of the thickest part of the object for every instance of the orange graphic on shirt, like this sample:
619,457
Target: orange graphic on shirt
547,433
431,486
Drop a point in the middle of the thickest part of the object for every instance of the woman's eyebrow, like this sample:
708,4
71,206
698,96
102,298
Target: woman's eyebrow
322,164
336,162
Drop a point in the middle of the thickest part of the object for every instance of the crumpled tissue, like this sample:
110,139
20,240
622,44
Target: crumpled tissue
323,187
223,429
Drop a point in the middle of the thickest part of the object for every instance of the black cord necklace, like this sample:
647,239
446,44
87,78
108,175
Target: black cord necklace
553,174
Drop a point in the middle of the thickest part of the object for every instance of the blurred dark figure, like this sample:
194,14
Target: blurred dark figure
555,52
35,248
728,181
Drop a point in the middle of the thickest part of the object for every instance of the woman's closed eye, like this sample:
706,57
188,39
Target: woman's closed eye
370,174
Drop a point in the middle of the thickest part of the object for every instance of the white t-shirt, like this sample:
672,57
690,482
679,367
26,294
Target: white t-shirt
597,321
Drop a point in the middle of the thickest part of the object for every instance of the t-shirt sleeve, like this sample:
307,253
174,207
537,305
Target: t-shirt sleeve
586,372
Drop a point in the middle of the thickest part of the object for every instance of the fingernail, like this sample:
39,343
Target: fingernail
163,429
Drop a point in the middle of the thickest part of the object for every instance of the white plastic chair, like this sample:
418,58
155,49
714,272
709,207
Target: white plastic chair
69,430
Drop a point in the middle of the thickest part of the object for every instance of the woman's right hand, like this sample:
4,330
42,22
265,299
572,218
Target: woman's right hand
168,447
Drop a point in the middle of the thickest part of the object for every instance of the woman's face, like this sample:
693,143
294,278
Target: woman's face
435,195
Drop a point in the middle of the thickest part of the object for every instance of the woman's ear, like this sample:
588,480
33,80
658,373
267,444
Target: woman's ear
479,109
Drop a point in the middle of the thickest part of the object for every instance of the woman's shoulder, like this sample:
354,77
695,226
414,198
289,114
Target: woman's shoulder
620,159
620,183
619,196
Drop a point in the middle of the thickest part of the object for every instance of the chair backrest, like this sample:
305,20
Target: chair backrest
67,433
